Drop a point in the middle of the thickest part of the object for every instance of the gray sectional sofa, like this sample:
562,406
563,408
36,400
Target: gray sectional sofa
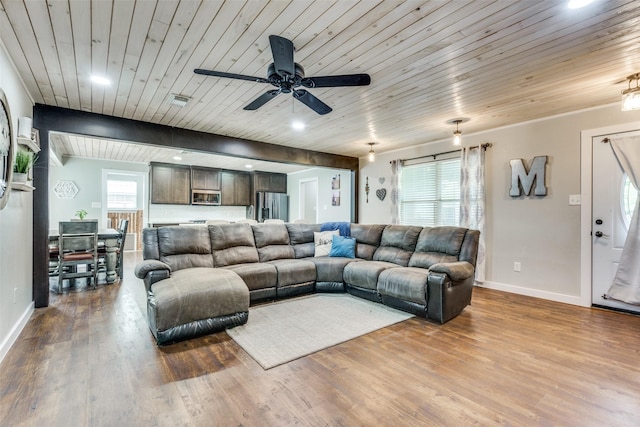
202,279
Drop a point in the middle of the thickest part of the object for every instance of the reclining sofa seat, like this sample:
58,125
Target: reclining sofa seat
394,245
295,276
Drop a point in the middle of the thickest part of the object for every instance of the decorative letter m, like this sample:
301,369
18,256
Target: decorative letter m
520,178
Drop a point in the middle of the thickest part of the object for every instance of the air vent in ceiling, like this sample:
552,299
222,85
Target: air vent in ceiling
179,100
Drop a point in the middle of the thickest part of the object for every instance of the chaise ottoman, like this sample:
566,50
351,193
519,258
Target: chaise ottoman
196,301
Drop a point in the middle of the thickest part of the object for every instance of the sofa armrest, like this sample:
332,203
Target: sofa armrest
457,271
152,271
446,298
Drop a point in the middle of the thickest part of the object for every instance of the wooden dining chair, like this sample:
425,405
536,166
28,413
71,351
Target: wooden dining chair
77,246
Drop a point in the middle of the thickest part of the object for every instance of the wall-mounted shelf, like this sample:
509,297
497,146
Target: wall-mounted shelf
21,186
31,144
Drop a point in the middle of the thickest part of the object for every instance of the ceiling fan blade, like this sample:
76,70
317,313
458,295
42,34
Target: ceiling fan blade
230,75
337,81
311,101
262,99
282,51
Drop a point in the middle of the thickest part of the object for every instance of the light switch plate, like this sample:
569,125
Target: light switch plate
96,204
574,199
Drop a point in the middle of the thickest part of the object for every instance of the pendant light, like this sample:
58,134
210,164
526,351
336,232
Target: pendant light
631,96
457,134
372,154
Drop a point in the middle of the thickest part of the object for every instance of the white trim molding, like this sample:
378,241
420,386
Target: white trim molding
15,331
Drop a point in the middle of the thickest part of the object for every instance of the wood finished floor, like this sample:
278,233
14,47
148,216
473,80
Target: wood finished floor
90,360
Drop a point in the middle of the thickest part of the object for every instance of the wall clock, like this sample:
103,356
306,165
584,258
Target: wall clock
6,150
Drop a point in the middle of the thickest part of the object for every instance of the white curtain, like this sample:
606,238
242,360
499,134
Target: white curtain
472,199
626,284
396,170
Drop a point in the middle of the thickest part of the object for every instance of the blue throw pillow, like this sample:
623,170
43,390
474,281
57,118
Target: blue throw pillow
343,247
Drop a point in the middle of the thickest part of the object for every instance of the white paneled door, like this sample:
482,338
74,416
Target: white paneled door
610,220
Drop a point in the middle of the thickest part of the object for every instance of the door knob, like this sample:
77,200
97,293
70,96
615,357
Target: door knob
599,234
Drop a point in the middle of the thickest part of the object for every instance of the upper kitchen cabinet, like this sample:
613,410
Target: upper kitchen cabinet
235,188
205,178
170,184
269,182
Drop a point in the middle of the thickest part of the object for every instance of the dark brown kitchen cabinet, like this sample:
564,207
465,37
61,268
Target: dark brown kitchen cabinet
235,188
270,182
170,184
205,178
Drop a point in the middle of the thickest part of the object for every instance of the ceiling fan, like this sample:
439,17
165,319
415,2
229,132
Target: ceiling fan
288,76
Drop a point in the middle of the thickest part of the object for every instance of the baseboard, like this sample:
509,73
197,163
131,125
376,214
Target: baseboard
15,331
536,293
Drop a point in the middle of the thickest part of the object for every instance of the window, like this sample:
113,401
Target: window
628,198
122,195
430,193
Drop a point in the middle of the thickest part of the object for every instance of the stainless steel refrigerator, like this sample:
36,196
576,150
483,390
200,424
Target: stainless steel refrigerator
272,206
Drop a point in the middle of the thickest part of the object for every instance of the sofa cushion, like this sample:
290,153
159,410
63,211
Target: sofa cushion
196,294
294,271
272,241
256,275
397,244
185,247
367,239
404,283
232,244
323,241
330,269
301,238
343,247
364,274
437,245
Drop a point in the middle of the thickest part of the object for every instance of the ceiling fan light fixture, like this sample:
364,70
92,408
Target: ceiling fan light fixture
372,154
298,125
577,4
101,80
631,96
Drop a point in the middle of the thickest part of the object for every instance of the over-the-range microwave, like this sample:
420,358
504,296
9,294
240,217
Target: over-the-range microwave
205,197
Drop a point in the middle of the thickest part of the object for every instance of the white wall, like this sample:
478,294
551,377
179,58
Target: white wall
16,226
87,176
326,212
542,233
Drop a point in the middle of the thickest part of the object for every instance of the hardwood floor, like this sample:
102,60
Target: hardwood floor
89,359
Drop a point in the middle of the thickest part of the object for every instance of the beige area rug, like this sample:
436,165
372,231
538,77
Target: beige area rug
283,331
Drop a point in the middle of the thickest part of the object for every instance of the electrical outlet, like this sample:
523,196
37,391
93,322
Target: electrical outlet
516,266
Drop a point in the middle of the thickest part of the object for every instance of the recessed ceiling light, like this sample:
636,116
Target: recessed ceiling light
100,80
248,166
298,125
177,158
577,4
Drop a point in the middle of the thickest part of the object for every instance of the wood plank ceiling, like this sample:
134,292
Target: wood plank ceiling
494,62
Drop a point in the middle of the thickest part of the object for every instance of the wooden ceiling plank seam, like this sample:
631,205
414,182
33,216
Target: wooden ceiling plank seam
118,41
189,83
526,60
184,62
140,24
262,20
223,19
153,42
180,24
60,19
18,16
81,32
101,17
12,44
41,23
226,44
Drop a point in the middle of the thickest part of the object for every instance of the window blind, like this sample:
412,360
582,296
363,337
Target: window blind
122,195
430,193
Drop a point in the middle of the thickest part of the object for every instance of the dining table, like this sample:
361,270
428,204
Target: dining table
107,237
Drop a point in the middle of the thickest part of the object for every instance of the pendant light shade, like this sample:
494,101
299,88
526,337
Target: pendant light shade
457,134
372,154
631,96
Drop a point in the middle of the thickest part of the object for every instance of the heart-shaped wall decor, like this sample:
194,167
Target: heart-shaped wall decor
381,193
381,180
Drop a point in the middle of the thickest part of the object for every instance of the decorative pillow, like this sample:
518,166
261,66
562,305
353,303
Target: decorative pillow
323,241
342,246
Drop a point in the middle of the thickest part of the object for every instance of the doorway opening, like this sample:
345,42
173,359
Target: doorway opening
308,202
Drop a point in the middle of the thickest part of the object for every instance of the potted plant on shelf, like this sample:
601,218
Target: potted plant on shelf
24,162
